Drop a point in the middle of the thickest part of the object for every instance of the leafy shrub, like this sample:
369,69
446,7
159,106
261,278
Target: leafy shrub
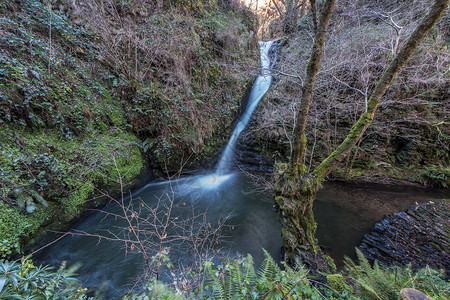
23,280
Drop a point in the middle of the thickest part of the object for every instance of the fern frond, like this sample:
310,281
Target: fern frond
379,281
368,288
268,268
218,289
364,264
249,270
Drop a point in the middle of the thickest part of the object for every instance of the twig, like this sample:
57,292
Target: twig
49,244
292,288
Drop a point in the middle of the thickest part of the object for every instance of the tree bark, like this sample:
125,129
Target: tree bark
312,68
294,196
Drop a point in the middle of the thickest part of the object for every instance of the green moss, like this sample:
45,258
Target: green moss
294,196
337,283
59,173
72,204
16,224
330,263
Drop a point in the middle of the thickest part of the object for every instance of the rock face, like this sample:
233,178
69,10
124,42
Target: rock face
419,236
249,159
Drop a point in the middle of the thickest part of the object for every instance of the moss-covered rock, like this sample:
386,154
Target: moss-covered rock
47,179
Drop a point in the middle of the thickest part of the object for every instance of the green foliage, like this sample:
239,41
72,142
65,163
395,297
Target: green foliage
379,282
43,86
337,283
237,279
45,176
234,279
15,225
436,175
155,290
26,281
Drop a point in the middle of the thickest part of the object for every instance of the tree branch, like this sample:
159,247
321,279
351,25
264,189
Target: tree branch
278,9
397,63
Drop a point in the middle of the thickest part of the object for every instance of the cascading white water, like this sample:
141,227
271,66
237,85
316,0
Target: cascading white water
260,87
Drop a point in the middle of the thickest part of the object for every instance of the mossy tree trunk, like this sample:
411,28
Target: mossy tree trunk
294,196
295,189
320,28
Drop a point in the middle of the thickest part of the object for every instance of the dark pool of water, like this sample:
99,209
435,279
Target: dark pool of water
343,212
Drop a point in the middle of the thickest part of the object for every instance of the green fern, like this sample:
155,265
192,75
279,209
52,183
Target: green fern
237,279
379,282
267,273
374,282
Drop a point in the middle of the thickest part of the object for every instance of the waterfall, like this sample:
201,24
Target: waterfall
260,87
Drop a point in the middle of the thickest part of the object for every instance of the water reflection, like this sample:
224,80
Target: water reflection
196,201
345,212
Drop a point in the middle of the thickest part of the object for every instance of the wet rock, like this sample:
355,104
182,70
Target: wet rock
249,159
419,236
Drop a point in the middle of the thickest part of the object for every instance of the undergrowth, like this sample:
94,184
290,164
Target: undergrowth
24,280
236,279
